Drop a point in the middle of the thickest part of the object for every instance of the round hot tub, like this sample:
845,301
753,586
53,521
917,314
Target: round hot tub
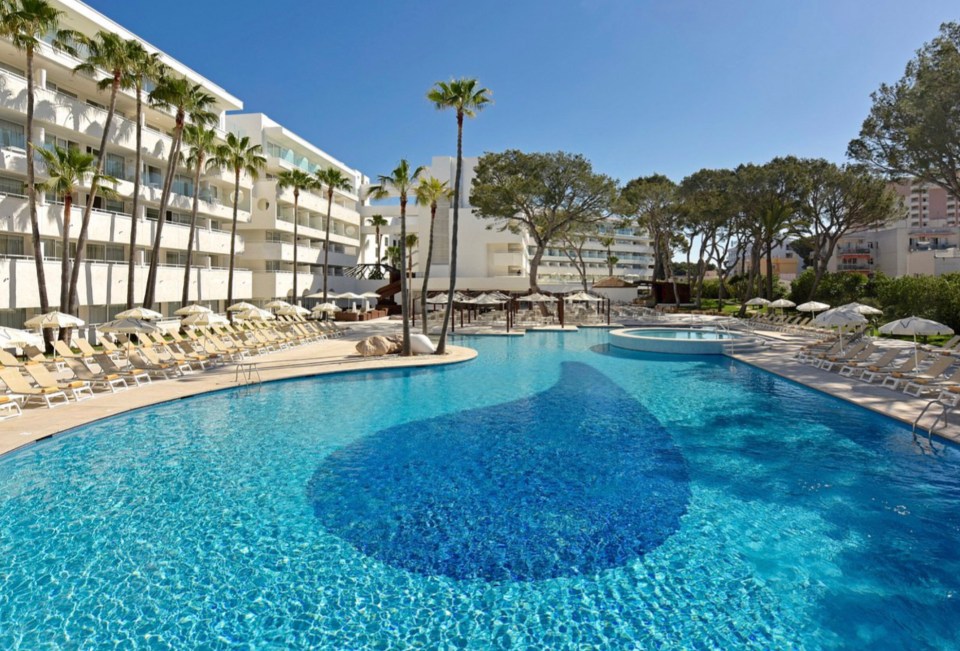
676,341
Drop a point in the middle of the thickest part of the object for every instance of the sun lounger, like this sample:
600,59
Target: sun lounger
107,382
920,386
877,373
9,407
166,371
863,354
79,389
936,367
856,368
155,357
64,351
20,386
6,359
849,353
109,366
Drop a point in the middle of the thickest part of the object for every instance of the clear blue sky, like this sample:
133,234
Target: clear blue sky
636,86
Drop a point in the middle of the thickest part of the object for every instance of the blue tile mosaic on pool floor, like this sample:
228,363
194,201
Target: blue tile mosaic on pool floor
574,480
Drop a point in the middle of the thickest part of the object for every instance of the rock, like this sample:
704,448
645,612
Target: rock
421,345
376,346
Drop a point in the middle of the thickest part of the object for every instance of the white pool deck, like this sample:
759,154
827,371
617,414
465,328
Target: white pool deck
339,355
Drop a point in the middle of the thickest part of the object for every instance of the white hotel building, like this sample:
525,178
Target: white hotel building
491,259
70,112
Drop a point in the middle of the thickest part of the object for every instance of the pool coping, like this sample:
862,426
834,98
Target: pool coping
297,363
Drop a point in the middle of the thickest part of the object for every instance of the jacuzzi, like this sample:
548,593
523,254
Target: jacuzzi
675,341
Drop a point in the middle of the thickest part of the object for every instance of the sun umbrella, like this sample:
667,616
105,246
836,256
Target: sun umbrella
138,313
54,320
487,299
293,310
369,295
326,307
194,308
242,306
758,301
277,303
812,306
865,310
782,303
14,338
914,325
582,297
350,296
129,326
538,298
255,314
839,318
208,318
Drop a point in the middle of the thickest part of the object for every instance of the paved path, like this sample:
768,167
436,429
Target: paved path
330,356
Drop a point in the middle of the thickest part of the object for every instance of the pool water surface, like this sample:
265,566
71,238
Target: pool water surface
556,492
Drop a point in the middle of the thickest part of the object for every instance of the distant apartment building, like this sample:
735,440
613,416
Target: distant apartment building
491,258
787,264
924,242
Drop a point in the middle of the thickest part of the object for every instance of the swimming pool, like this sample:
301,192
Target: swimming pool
556,492
674,341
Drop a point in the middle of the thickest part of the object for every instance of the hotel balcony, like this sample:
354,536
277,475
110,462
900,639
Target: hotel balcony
105,283
273,284
109,227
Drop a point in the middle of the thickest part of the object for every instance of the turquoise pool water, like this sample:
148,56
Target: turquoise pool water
681,334
554,493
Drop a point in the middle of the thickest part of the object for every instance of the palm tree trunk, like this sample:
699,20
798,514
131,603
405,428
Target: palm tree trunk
296,220
134,219
150,292
404,284
233,239
65,258
379,255
185,298
426,271
454,237
88,208
32,202
326,244
769,270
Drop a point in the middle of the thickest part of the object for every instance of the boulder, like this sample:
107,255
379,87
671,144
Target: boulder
421,345
376,346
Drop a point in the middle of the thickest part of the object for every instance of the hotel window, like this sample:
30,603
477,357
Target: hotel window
11,245
96,252
11,186
114,166
153,178
98,105
114,253
9,68
11,134
176,258
183,185
272,265
113,205
50,141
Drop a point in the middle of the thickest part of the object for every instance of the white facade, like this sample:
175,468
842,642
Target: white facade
70,113
268,236
489,258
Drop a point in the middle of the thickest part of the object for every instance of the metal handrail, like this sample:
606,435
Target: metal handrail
945,411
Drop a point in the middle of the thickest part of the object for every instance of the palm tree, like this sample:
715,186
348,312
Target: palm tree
612,261
333,179
607,242
25,23
185,99
401,182
392,257
241,157
298,180
106,51
411,243
466,99
429,193
378,221
202,142
67,171
143,66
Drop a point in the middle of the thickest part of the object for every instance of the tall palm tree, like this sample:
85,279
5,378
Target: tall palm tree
239,156
298,180
378,222
185,99
607,242
143,66
411,243
429,192
67,171
466,98
106,51
202,142
333,179
25,23
400,182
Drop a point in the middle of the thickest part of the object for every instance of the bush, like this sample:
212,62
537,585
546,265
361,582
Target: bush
930,297
835,288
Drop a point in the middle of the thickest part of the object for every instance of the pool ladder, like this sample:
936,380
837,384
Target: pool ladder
939,421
